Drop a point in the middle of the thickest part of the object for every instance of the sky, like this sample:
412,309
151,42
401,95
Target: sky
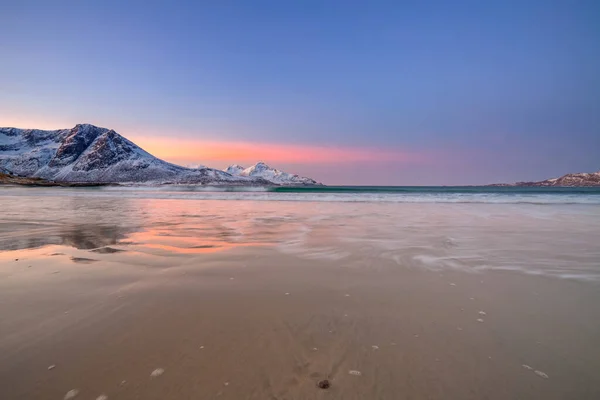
346,92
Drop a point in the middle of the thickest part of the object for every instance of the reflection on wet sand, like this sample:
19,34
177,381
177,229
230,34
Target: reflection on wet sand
81,236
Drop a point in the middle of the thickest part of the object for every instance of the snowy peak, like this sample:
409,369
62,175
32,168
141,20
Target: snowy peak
78,140
262,170
235,170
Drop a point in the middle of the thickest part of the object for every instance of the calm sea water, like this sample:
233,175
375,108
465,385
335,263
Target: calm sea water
544,231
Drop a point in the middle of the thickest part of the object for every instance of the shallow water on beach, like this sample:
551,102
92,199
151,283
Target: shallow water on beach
559,240
137,294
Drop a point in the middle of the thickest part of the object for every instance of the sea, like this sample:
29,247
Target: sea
531,230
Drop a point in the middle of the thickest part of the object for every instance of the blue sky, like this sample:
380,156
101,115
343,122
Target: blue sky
433,92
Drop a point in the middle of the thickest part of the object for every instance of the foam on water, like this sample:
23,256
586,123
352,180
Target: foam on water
491,195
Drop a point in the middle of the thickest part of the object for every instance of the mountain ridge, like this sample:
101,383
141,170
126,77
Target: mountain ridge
577,179
88,153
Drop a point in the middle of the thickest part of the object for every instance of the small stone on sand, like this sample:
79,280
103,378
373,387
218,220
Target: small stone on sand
527,367
287,294
71,394
232,278
542,374
201,347
51,367
102,397
459,328
354,372
346,295
453,284
324,384
315,349
374,347
123,382
226,384
157,372
471,298
482,313
479,320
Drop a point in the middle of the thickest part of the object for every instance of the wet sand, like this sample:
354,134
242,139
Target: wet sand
258,325
140,313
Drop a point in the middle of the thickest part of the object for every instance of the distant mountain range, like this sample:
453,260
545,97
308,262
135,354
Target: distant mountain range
262,170
583,179
89,154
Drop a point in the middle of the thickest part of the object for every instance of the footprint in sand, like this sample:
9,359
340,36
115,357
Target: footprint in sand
82,260
106,250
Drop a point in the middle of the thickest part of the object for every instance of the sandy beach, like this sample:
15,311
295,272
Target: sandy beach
146,301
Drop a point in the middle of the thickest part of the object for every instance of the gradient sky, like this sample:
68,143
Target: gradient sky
347,92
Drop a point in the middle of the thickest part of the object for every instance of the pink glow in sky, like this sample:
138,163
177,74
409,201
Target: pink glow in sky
189,150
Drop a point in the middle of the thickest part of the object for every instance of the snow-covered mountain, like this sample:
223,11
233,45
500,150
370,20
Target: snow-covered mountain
262,170
570,180
87,153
